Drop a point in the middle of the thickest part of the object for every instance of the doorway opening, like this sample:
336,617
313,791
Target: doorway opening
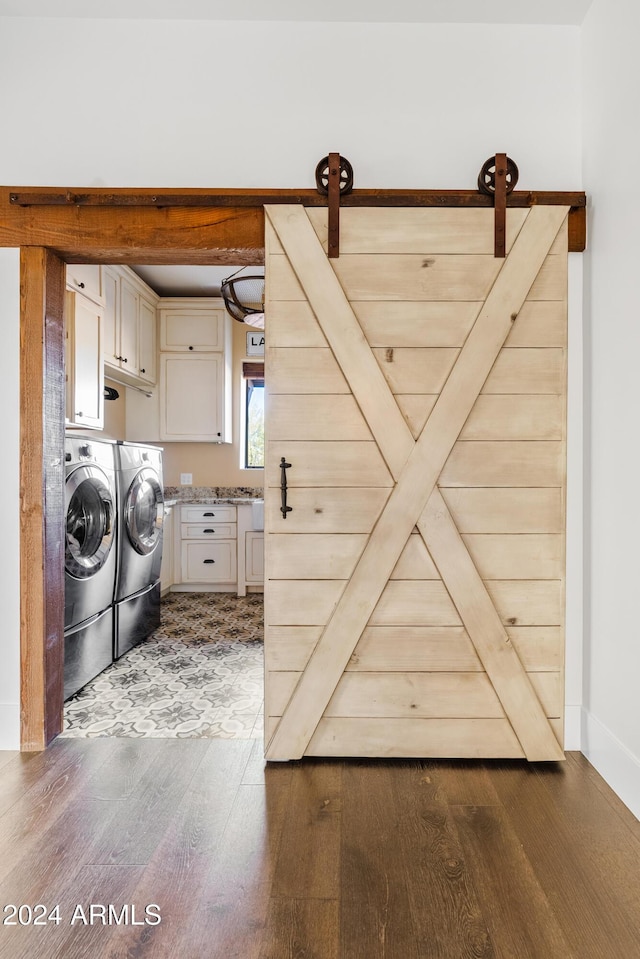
199,672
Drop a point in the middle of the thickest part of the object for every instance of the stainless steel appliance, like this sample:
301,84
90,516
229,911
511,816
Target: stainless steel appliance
140,511
89,559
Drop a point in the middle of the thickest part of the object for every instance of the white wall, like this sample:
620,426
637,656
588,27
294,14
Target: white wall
109,103
611,720
186,103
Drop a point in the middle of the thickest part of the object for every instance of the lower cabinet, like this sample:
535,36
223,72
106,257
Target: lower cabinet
166,570
215,550
208,547
210,562
254,558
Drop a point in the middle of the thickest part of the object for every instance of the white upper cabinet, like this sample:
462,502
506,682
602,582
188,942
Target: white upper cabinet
195,370
83,361
86,278
130,327
193,325
147,341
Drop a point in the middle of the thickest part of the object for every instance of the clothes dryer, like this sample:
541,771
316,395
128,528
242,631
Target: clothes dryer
89,559
141,512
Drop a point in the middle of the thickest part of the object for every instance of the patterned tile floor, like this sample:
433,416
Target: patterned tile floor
199,675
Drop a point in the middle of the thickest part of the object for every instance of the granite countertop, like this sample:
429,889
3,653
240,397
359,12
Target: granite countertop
218,500
209,495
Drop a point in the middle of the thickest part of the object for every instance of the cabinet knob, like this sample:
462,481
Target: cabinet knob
81,285
124,359
143,370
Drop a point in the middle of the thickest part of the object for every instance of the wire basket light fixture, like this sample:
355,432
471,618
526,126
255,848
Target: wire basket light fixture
244,299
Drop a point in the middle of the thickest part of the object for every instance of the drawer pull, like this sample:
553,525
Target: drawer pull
208,560
208,514
208,530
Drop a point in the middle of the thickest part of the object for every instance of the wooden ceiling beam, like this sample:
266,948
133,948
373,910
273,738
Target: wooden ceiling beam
203,226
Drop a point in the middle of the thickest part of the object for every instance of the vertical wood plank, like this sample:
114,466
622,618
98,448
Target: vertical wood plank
192,840
42,402
586,897
376,919
229,917
446,914
301,928
520,918
308,865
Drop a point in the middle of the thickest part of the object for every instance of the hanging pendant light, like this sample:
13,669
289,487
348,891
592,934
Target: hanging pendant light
244,299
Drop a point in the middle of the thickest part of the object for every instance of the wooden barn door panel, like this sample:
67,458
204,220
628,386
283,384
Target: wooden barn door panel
416,386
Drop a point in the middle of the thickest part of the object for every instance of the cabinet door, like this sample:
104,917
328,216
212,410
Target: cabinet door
190,329
85,278
254,557
129,301
85,376
111,326
191,397
166,570
147,341
213,562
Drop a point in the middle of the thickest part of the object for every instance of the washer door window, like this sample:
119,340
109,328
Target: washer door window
90,515
144,511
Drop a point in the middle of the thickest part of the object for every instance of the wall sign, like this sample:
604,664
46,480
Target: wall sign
255,343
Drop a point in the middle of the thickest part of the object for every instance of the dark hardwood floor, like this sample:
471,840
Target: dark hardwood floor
310,860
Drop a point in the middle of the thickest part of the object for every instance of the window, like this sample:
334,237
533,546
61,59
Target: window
253,385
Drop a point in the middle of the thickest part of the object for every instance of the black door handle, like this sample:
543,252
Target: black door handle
284,466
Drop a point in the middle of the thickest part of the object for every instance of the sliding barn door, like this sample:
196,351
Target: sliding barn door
414,593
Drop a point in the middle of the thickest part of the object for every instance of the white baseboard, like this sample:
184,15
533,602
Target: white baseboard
573,727
616,764
9,726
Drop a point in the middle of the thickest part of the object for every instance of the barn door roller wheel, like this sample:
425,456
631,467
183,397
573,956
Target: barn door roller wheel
323,173
334,178
487,176
497,178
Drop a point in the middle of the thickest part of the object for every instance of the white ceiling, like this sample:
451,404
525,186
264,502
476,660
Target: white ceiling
365,11
191,280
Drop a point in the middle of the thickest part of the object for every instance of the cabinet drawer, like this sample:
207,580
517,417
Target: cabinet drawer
208,531
202,514
213,562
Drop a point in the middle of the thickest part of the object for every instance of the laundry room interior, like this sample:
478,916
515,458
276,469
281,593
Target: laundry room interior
178,649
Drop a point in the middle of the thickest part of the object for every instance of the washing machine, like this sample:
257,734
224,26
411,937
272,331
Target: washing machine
140,511
90,556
